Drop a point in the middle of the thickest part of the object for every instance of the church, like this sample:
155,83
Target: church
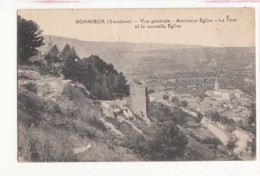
225,95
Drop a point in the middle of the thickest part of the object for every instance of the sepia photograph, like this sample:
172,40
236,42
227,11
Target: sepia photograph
102,85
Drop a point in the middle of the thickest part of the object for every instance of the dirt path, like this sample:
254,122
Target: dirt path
219,133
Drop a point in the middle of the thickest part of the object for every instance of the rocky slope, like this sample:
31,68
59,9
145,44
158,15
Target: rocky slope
57,121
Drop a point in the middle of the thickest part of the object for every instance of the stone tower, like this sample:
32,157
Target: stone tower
138,101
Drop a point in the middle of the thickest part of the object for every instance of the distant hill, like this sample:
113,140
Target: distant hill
152,59
87,48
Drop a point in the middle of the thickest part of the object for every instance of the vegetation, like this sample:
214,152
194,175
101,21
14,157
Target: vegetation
213,115
168,144
100,78
199,117
29,38
231,144
252,146
175,100
184,103
53,57
50,129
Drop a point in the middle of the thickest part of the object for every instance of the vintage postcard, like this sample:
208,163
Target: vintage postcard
136,85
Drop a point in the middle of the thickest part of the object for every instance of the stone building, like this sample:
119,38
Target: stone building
138,100
224,94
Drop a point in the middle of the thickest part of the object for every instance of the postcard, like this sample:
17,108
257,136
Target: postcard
136,84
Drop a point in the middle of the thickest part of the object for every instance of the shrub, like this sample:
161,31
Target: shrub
184,103
252,146
31,87
165,97
169,143
209,140
231,144
175,100
199,117
97,123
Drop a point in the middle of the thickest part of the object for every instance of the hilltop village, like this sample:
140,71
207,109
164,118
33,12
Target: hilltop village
226,113
90,108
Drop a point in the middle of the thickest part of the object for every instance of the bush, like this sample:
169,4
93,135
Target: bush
184,103
252,146
97,123
231,144
175,100
165,97
31,87
199,117
209,140
169,143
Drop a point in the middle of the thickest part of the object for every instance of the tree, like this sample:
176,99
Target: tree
223,120
252,146
231,144
252,117
29,38
52,56
166,97
71,66
65,53
213,115
169,143
122,88
100,78
175,100
180,120
184,103
199,117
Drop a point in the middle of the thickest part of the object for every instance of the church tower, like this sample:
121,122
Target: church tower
216,85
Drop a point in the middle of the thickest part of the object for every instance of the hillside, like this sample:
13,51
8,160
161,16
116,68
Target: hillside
191,68
58,122
136,58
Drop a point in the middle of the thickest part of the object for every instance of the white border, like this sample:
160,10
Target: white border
8,135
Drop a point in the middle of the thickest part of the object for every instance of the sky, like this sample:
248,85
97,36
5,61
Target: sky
219,34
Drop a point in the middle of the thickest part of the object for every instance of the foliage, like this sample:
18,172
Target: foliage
100,78
224,120
209,140
28,39
199,117
53,56
252,117
175,100
70,60
213,115
180,120
231,144
165,97
169,143
252,146
184,103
